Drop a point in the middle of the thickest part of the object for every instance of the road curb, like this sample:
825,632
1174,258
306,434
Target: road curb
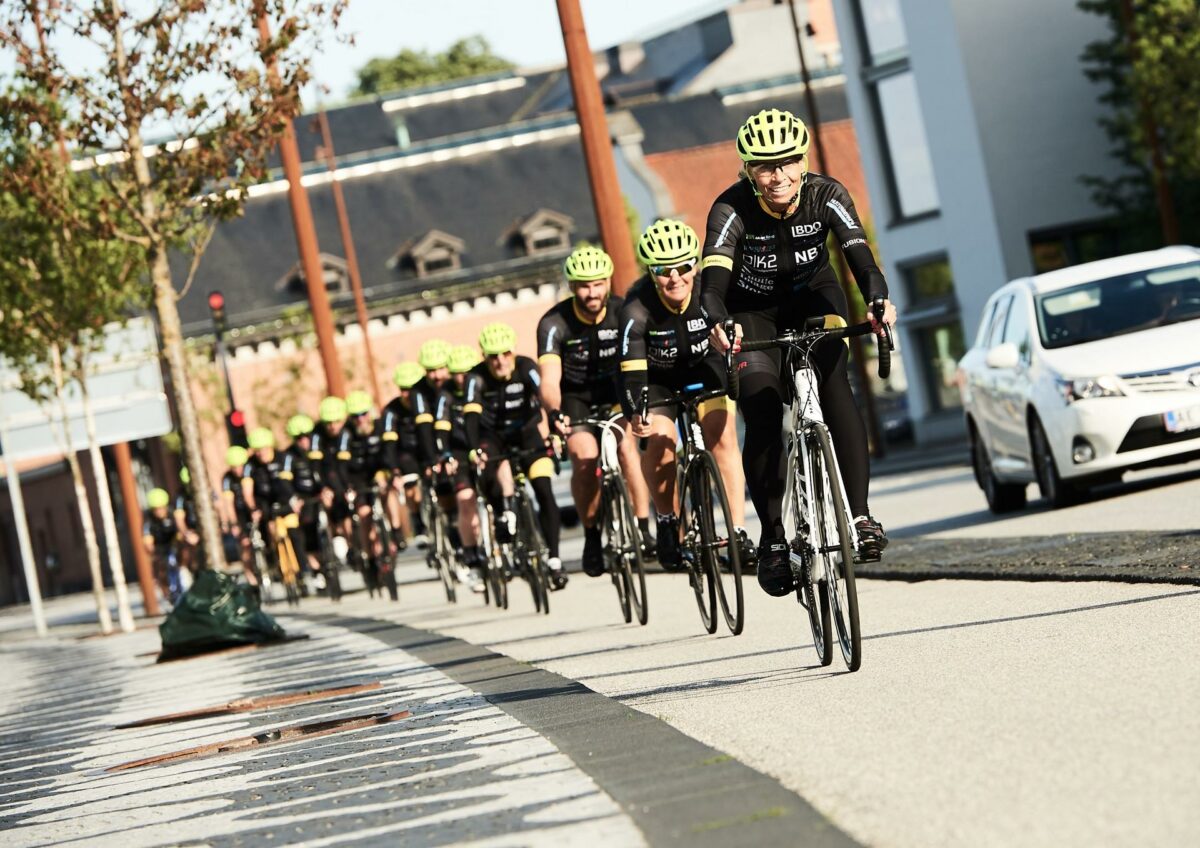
676,789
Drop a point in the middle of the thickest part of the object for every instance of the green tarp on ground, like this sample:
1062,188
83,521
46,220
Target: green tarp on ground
216,612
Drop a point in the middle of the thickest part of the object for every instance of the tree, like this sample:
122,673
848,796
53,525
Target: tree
467,57
1149,67
199,72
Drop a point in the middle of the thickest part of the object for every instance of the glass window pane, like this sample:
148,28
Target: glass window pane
908,149
996,333
930,281
886,39
941,348
1017,330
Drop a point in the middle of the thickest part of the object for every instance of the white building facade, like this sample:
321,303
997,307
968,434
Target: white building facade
976,126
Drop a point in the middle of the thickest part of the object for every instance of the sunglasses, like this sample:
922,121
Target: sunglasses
665,270
762,169
498,355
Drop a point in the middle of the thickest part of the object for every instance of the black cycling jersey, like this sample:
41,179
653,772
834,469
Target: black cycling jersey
503,407
184,505
757,261
231,488
409,427
587,349
362,454
322,451
161,530
272,491
298,470
661,345
444,415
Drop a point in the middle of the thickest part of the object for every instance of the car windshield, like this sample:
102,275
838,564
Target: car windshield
1104,308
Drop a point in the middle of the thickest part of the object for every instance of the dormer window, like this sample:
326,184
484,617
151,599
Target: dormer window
542,232
433,253
336,273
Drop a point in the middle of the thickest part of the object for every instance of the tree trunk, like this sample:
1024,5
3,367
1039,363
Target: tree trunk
116,565
81,497
164,303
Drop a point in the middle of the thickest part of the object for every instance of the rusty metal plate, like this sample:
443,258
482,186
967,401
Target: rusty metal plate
245,705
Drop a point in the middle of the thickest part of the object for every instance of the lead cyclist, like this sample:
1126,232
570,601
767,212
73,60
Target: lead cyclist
766,264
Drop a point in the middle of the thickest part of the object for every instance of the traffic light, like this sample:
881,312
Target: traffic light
216,306
235,424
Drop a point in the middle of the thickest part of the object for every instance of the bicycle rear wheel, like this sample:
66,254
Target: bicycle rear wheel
631,547
720,542
693,507
834,549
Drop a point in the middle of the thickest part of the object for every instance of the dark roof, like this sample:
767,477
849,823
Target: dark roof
704,119
354,129
451,117
474,198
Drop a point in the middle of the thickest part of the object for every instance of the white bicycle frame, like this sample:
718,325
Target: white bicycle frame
806,412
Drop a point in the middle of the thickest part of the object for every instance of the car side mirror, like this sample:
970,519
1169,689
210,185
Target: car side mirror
1003,355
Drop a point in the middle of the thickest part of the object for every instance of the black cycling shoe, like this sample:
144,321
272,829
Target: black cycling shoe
649,545
668,543
593,552
871,538
775,568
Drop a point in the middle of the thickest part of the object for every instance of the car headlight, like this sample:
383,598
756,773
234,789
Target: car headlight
1086,388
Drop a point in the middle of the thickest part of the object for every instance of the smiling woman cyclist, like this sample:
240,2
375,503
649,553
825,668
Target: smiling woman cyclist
766,263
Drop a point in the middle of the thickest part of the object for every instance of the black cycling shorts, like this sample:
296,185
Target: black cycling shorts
577,403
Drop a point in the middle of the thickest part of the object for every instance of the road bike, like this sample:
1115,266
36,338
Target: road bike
709,545
497,557
439,554
816,512
618,527
331,563
530,554
373,546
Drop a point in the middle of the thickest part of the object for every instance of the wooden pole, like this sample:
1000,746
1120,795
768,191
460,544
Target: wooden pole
133,520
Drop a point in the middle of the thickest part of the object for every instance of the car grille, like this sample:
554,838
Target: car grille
1149,432
1184,378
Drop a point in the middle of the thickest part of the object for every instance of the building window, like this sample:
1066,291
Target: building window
883,28
1060,247
542,232
432,253
334,269
933,318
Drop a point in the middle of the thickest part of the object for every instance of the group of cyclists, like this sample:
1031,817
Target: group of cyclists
463,411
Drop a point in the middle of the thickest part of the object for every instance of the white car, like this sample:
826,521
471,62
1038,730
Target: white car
1081,374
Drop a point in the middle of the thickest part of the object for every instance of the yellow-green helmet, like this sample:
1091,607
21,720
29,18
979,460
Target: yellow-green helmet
434,354
587,263
332,409
668,242
299,425
497,338
407,374
359,403
463,358
235,456
157,498
772,134
259,438
185,476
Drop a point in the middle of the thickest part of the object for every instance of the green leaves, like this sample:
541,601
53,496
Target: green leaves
466,57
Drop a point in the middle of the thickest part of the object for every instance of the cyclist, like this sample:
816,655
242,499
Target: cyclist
665,346
186,523
463,358
361,452
322,451
298,470
158,535
766,263
235,512
510,416
269,491
408,435
578,346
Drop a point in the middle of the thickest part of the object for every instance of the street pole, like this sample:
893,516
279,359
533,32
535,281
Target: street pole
306,236
339,202
597,147
133,520
19,518
857,350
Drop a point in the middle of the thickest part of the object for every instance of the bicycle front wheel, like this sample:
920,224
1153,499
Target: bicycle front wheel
614,552
694,507
833,543
535,559
443,554
811,594
329,565
631,555
720,541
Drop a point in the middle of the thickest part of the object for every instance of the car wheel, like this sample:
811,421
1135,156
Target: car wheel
1001,497
1054,489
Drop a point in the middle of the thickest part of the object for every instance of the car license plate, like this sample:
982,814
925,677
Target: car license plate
1179,420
